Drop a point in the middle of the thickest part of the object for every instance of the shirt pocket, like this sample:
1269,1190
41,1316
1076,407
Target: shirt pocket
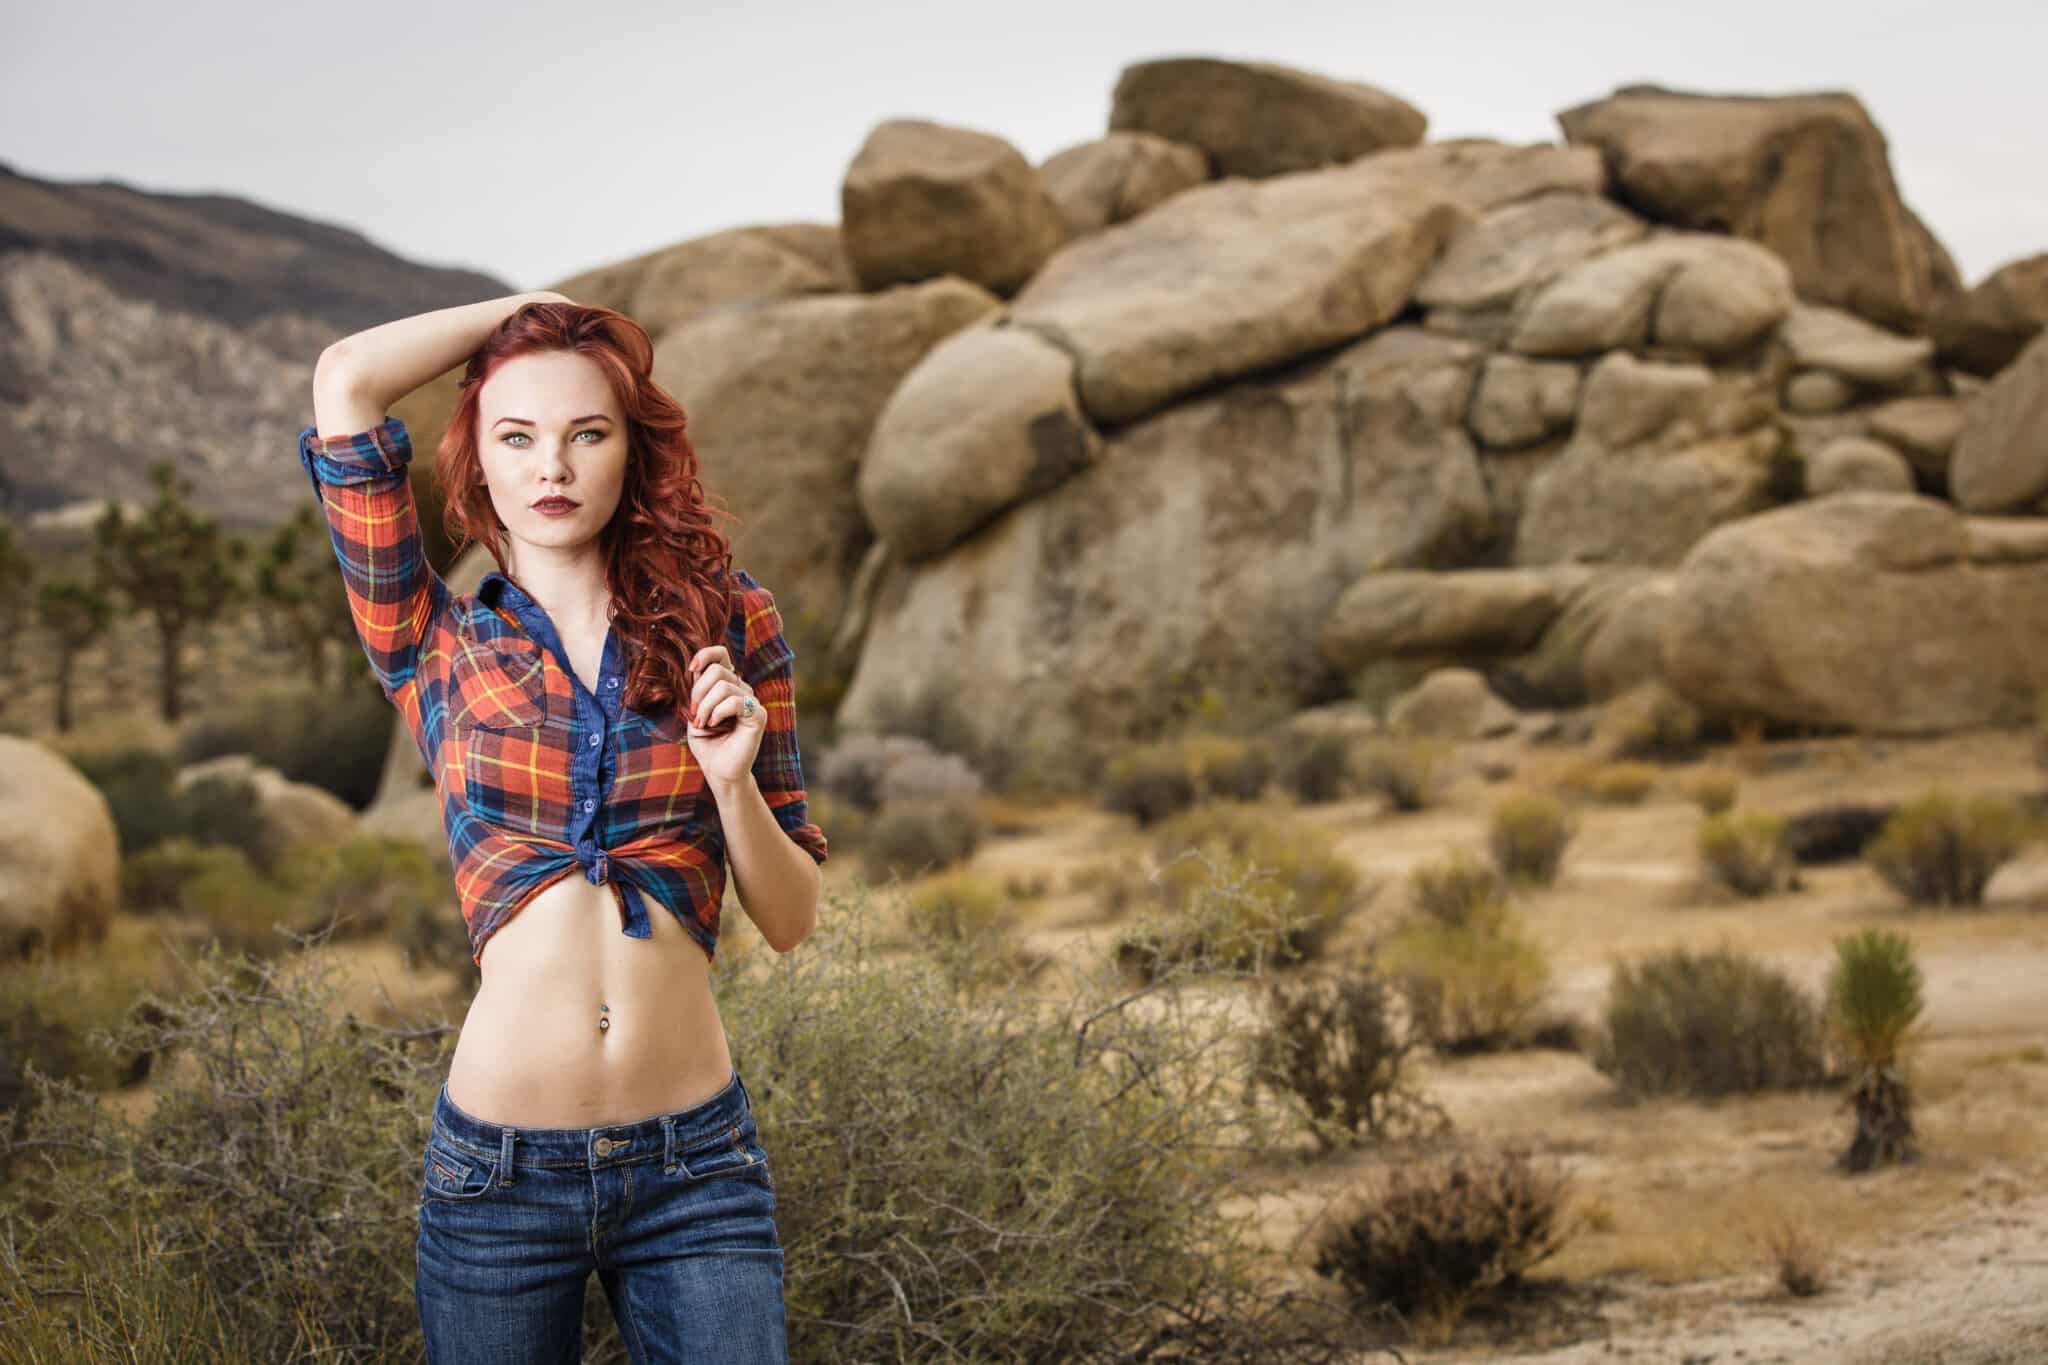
515,762
497,684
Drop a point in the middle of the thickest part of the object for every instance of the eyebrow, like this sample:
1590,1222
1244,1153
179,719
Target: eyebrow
573,421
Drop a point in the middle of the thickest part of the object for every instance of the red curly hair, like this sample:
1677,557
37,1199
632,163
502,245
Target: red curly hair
667,567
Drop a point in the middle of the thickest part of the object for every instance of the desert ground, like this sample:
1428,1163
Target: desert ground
1942,1260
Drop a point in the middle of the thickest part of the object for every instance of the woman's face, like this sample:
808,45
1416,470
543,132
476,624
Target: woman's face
548,426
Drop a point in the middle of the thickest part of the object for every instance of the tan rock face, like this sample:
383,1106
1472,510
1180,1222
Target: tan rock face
1643,505
1858,464
1484,174
1521,244
1829,339
1520,401
1984,329
2000,462
1462,612
1260,119
1806,175
1232,277
1688,292
1119,176
1854,610
922,200
1205,545
1923,429
60,865
1451,703
782,401
950,450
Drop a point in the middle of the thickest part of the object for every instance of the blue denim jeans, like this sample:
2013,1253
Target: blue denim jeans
675,1213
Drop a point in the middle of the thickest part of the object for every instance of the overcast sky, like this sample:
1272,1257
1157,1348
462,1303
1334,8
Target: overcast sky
534,140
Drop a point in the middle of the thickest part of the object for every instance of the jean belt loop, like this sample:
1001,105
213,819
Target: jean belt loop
742,1085
668,1144
505,1156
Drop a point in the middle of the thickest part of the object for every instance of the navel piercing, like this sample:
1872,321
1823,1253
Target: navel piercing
603,1023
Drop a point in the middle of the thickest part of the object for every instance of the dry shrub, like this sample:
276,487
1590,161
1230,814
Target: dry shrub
1241,886
1744,850
1473,984
1313,766
1448,890
1650,721
1409,773
1709,1024
1943,850
911,838
1713,790
1334,1043
964,920
1795,1254
1228,767
1613,784
1528,837
1435,1237
1149,782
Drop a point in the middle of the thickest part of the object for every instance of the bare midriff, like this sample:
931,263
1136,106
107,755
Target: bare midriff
531,1053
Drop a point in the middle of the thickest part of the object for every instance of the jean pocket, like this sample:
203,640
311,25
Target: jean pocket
726,1154
448,1174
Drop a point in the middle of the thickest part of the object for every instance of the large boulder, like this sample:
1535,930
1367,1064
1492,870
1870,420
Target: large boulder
1119,176
950,450
1260,119
1233,277
293,813
1882,612
1684,291
661,288
782,400
1205,544
60,864
1809,176
1605,641
1505,251
1485,174
1984,329
2000,461
1450,703
1457,613
921,200
1820,338
1923,429
1644,505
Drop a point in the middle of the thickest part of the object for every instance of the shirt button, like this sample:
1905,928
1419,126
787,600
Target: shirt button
593,739
588,803
611,682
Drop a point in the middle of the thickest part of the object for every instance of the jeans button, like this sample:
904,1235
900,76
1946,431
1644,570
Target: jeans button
604,1146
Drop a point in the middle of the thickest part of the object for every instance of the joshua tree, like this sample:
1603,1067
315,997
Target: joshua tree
76,613
1874,999
295,575
174,564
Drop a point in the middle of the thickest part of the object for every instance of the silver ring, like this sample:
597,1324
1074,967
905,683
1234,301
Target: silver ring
746,706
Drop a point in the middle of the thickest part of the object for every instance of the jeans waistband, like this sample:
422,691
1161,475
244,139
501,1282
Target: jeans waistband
728,1113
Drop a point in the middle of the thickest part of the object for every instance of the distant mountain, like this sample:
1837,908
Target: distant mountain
137,325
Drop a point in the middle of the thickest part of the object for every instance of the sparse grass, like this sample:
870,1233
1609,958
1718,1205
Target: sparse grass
1613,784
1796,1258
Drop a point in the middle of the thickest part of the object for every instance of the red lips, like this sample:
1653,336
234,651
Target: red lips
557,502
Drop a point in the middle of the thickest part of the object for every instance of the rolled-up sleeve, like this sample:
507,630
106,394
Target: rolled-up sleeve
767,662
394,595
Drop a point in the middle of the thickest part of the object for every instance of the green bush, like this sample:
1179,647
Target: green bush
1335,1045
227,811
1437,1237
1744,850
1314,766
1149,782
1528,837
156,880
1618,784
1709,1024
367,886
1241,886
1942,850
137,783
1409,773
1228,767
337,739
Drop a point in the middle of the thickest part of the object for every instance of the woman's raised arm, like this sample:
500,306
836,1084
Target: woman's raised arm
357,459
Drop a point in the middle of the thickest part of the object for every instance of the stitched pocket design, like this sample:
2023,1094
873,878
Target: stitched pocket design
497,684
448,1174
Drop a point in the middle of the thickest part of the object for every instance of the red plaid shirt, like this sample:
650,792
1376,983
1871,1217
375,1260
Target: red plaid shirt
539,777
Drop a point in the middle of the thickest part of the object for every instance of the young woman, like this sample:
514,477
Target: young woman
609,719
